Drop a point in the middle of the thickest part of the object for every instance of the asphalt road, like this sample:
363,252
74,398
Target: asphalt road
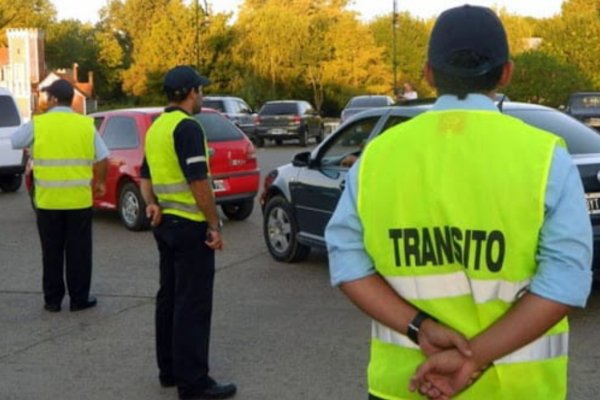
279,331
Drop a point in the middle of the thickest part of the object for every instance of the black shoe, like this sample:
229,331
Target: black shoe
167,381
52,307
215,391
89,303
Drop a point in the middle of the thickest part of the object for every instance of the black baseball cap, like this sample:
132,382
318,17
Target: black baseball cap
182,79
468,28
61,89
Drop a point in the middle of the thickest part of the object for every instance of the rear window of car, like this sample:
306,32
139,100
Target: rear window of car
580,138
218,105
218,128
121,133
586,102
279,109
369,102
9,115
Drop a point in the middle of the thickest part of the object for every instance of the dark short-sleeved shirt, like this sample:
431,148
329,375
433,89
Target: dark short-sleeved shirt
189,147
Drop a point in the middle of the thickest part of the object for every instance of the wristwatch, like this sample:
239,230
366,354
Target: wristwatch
415,326
216,228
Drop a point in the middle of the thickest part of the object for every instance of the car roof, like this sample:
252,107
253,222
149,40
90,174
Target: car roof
285,101
584,93
366,96
140,110
219,97
415,109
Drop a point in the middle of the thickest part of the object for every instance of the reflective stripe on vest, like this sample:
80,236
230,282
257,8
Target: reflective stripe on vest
63,157
179,187
545,347
457,284
168,181
63,184
455,232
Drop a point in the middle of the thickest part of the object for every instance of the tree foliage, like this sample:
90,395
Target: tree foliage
25,14
412,35
543,78
315,50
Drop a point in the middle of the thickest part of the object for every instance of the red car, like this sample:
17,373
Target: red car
233,163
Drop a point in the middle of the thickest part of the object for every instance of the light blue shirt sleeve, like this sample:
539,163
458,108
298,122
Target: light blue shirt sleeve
565,247
566,240
23,137
348,259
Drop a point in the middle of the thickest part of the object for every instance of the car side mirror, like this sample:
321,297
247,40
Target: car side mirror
301,159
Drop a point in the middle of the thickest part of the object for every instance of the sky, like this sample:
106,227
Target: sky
87,10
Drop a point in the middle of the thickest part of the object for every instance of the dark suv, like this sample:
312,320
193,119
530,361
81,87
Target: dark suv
299,198
289,119
361,103
585,106
236,110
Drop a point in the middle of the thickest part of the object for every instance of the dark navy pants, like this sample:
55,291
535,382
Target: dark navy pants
184,301
66,238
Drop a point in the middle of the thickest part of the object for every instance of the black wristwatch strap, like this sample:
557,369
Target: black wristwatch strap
415,326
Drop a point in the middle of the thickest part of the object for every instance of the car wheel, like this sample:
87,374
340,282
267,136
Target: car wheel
238,211
321,135
304,138
259,142
278,142
11,183
132,208
281,232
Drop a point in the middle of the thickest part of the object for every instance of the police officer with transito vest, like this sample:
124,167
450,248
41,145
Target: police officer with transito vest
467,219
68,155
176,186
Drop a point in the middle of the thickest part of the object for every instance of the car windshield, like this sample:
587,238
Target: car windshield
9,115
215,104
580,138
218,128
378,101
586,102
279,109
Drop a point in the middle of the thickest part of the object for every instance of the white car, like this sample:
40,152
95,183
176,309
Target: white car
12,162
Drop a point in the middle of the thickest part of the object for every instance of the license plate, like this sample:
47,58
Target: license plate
218,185
593,202
277,131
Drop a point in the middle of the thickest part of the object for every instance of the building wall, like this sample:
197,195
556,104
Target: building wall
26,66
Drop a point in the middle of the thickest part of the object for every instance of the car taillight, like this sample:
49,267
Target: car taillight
296,119
250,151
269,179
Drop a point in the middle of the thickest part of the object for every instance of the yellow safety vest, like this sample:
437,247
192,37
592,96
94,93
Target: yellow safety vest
452,204
168,181
63,158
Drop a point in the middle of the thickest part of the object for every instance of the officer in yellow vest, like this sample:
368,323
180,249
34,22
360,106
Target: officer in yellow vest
177,188
67,153
468,219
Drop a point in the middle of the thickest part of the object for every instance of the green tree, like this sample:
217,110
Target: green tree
518,30
25,14
573,37
306,48
412,36
543,78
68,42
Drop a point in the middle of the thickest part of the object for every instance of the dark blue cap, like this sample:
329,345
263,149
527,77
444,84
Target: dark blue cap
468,28
182,79
60,89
